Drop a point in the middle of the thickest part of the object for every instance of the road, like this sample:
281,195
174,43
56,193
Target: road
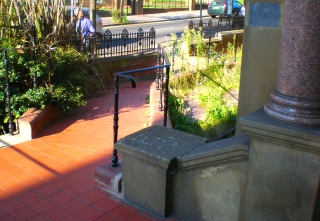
163,29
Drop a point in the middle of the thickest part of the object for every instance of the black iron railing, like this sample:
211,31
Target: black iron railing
225,23
116,44
162,78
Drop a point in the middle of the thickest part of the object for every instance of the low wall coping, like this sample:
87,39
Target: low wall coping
231,150
34,120
158,145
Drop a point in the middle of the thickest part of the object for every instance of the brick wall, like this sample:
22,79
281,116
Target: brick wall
131,62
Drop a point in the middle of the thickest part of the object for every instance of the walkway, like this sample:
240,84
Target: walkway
52,177
168,16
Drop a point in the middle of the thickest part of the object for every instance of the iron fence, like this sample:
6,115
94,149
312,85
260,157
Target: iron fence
116,44
225,23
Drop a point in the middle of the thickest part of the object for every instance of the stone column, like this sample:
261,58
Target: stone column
296,99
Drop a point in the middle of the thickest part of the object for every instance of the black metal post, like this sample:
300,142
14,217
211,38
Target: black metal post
115,121
6,63
34,55
160,106
115,159
79,39
166,94
209,52
235,47
159,69
200,10
173,54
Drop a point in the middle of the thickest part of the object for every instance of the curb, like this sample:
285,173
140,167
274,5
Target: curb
143,22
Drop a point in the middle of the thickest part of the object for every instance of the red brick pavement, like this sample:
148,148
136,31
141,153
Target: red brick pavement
52,176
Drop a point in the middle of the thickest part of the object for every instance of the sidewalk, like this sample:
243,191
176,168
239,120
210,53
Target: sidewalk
169,16
52,176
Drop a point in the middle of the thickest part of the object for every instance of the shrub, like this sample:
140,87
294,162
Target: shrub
59,77
118,17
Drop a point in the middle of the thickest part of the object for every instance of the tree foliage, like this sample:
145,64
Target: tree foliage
47,18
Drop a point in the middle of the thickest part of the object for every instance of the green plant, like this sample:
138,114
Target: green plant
214,86
59,77
39,75
179,118
47,19
118,17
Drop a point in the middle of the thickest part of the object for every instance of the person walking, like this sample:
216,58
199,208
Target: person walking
84,29
84,25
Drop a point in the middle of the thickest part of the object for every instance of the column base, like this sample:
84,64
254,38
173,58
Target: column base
283,170
291,110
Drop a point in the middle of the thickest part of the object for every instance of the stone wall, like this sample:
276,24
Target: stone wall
233,37
259,69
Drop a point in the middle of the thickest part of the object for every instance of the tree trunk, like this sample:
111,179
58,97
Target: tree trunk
93,13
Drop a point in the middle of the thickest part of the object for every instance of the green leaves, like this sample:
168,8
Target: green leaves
212,84
59,77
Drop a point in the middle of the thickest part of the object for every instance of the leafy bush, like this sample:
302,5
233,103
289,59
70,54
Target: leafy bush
118,17
59,81
38,75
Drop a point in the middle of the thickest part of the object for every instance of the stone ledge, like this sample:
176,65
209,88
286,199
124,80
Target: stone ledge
34,120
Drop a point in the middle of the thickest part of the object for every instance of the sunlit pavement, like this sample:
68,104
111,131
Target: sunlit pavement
52,176
168,16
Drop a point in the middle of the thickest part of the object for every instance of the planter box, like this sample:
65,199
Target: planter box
33,121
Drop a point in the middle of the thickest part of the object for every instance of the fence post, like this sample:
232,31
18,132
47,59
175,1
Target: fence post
6,63
190,26
174,45
159,70
34,55
235,47
166,94
160,106
115,121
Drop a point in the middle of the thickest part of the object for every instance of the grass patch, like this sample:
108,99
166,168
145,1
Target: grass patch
213,83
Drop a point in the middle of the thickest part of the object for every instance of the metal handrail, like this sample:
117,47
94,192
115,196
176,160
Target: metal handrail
126,75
